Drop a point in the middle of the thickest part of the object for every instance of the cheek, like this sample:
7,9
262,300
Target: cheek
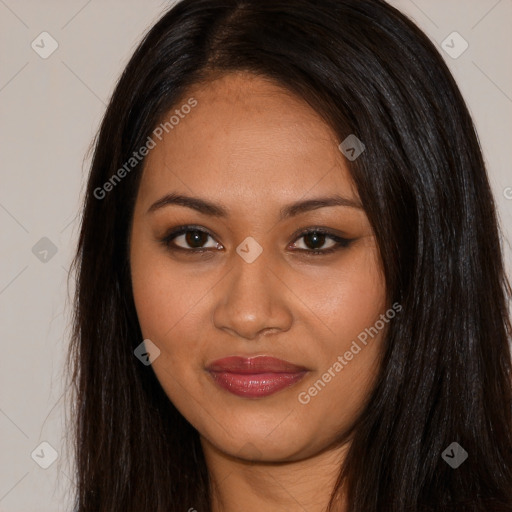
164,297
167,309
350,305
351,297
172,308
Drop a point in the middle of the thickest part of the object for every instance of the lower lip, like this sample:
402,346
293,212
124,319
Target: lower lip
255,385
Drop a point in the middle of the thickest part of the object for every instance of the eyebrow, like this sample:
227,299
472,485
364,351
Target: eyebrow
216,210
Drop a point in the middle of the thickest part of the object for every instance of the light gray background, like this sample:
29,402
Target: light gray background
50,110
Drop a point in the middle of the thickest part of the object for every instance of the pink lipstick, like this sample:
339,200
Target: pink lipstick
255,377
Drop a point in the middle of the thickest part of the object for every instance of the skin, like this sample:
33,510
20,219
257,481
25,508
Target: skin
254,148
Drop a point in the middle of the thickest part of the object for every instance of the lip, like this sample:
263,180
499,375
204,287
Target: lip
255,377
253,365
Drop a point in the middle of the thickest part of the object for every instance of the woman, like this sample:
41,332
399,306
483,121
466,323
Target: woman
290,290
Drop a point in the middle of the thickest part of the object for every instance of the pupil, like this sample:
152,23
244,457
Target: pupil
316,238
193,237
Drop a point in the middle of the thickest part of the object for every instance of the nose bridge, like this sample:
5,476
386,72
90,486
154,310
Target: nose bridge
252,297
251,278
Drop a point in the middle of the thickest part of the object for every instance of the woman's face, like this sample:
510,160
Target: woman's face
252,149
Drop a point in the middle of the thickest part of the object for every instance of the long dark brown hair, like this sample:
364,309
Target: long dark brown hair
446,370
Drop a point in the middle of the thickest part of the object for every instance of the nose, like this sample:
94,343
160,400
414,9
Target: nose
252,300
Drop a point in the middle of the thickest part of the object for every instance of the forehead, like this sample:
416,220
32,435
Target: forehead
247,137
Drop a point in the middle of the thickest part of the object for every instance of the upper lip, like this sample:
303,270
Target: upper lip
254,365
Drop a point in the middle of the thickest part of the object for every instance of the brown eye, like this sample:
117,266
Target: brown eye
188,239
315,239
196,239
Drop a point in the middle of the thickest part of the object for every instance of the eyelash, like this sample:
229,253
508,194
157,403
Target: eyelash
341,243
